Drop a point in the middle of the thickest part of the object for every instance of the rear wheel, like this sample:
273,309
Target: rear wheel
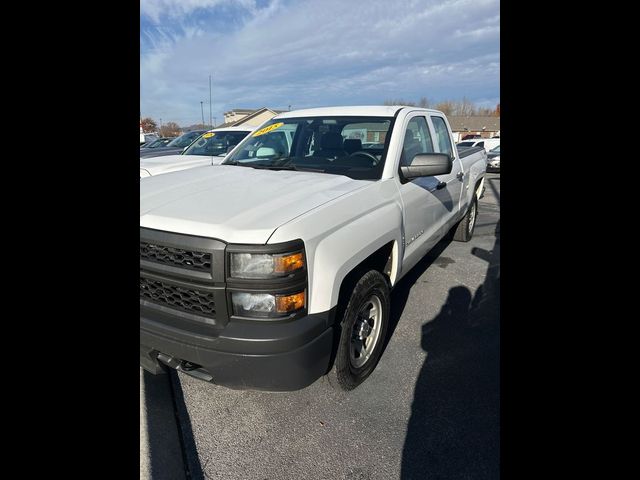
363,329
464,229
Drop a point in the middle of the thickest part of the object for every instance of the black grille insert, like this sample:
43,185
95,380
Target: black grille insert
185,299
192,260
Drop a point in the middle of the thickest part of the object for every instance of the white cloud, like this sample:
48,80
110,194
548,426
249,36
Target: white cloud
154,9
321,52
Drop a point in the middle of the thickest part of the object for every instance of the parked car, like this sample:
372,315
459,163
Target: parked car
160,142
493,159
486,143
275,267
147,138
471,136
209,149
175,146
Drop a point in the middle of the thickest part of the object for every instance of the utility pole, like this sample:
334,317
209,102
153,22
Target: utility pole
210,102
214,122
160,123
202,110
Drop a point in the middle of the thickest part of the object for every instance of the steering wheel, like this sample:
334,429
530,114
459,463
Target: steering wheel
366,154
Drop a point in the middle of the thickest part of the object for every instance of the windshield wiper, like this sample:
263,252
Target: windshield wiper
288,167
273,167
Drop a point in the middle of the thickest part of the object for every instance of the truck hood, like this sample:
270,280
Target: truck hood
173,163
235,204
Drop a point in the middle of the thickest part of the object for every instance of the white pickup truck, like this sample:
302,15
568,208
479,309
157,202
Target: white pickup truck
208,149
275,267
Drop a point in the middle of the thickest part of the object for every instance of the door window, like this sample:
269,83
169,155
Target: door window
442,135
417,139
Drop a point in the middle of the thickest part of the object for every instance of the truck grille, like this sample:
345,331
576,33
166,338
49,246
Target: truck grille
185,299
188,259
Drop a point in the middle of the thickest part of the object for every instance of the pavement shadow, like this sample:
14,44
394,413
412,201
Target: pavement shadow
162,454
190,457
496,191
454,429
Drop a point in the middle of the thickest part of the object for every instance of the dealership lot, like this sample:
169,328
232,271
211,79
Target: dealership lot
429,410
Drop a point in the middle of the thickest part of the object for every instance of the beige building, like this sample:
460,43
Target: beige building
247,117
485,126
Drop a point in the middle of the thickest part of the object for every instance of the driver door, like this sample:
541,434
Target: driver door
420,197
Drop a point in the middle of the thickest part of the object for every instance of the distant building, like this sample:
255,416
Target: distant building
485,126
248,117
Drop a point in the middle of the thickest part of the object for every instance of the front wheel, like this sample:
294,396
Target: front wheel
363,330
464,229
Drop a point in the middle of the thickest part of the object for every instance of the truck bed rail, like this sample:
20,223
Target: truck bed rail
466,151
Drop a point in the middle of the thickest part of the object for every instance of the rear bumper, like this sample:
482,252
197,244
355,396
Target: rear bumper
245,355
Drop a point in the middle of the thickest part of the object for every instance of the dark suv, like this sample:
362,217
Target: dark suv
175,146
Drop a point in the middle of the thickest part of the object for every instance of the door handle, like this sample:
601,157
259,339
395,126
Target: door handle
460,176
441,185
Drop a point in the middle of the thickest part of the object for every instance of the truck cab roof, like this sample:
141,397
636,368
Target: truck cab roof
356,111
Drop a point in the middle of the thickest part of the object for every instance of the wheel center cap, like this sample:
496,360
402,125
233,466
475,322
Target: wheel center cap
363,329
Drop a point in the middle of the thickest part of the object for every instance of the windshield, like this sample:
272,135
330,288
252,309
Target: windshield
184,140
216,143
351,146
161,142
495,150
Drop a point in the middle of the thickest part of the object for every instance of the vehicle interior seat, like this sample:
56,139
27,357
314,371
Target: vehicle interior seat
331,145
410,148
352,145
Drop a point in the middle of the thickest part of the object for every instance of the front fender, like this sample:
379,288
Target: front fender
341,234
343,250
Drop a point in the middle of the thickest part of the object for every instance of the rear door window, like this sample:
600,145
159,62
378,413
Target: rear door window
442,135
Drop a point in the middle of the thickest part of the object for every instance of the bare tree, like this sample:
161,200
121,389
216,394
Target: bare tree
424,102
170,129
399,102
464,107
447,107
148,125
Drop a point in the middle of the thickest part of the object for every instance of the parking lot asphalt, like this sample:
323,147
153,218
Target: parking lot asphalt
430,410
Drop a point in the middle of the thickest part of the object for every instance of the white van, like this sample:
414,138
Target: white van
486,143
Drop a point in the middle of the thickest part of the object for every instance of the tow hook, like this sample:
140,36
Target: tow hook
190,368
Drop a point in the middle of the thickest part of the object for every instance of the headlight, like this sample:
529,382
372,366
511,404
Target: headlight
267,305
265,265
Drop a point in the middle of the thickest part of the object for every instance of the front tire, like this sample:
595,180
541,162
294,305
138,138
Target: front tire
466,226
363,330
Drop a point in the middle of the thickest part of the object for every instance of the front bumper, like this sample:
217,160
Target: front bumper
257,355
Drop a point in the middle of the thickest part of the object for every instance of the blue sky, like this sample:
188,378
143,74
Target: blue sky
311,53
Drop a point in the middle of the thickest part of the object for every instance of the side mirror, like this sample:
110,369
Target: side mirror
427,165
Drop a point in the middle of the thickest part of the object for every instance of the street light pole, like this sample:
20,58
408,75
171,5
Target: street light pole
202,110
210,102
